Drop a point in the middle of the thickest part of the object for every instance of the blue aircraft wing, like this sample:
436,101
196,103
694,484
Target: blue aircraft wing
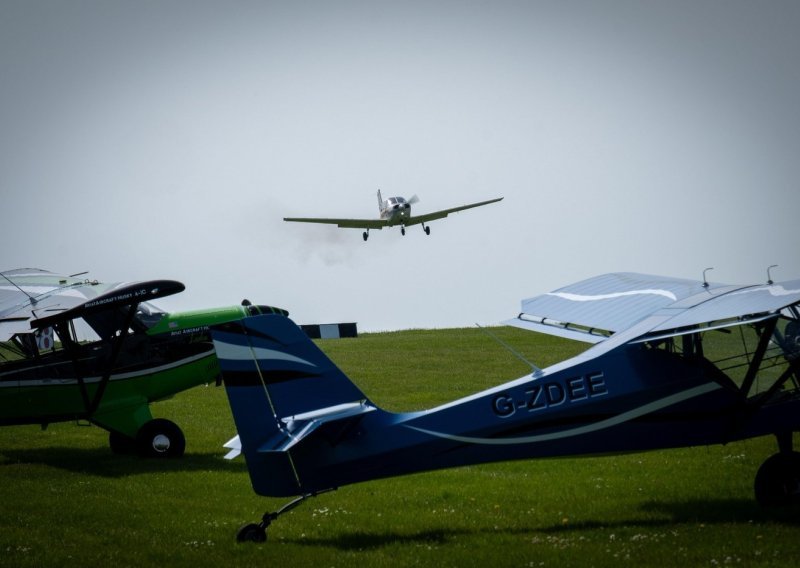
730,306
594,309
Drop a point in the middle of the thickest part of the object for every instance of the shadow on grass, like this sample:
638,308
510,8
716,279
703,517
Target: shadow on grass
700,511
101,462
372,541
705,511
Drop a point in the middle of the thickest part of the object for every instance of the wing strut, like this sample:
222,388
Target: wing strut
761,349
63,328
116,347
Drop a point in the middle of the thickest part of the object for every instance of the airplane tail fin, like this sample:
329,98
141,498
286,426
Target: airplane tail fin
281,388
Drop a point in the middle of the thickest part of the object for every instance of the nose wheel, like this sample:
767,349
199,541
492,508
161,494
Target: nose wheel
403,231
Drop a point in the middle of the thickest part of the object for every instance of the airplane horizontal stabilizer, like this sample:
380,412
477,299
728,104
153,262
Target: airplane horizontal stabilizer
299,427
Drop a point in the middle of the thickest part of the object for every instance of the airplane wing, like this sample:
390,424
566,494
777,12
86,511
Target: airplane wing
33,294
28,293
342,223
415,219
592,310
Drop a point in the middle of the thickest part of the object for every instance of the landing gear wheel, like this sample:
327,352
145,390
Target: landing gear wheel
403,231
160,438
778,480
252,533
365,235
427,230
121,444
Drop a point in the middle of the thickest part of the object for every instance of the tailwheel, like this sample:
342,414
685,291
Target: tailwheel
160,438
777,482
252,532
257,532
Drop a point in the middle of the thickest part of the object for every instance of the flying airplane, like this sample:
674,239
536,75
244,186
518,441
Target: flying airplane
393,211
672,363
132,354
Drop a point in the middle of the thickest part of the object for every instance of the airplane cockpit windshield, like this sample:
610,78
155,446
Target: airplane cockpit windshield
148,315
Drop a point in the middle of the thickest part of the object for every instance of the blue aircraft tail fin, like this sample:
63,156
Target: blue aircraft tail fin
282,389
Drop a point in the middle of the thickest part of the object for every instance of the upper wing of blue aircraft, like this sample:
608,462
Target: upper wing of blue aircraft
594,309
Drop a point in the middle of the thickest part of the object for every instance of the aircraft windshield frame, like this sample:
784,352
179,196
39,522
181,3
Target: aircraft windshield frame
148,314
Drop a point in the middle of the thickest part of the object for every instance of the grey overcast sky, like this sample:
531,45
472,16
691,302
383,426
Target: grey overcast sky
168,140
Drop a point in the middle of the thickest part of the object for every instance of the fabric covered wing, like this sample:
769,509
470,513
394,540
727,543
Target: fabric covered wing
342,223
741,303
30,292
592,309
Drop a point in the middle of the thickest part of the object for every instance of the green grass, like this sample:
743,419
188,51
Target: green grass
65,500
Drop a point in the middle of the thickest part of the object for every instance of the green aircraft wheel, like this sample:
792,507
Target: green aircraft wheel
252,533
778,480
121,444
160,438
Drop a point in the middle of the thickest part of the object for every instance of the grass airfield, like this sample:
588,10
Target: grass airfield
65,500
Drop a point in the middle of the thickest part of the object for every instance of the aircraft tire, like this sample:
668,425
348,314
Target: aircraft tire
251,533
121,444
160,438
777,482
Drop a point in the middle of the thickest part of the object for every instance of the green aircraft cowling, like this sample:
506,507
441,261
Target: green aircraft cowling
139,355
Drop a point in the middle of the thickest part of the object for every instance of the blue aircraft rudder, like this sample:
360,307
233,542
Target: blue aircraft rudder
273,372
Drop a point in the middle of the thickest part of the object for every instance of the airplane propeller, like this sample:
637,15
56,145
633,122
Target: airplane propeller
413,199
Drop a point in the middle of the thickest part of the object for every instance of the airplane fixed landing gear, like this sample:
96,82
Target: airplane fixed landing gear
777,482
403,231
366,235
426,229
257,532
158,438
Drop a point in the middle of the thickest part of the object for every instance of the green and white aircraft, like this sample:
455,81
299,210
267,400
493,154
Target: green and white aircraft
77,349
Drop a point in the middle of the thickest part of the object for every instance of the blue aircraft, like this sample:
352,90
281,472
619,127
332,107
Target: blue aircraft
673,363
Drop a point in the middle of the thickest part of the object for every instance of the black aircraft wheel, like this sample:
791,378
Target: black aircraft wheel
160,438
427,230
778,480
121,444
365,235
403,231
252,533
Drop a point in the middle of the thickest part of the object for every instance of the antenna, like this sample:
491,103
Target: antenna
516,353
31,298
769,278
705,281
